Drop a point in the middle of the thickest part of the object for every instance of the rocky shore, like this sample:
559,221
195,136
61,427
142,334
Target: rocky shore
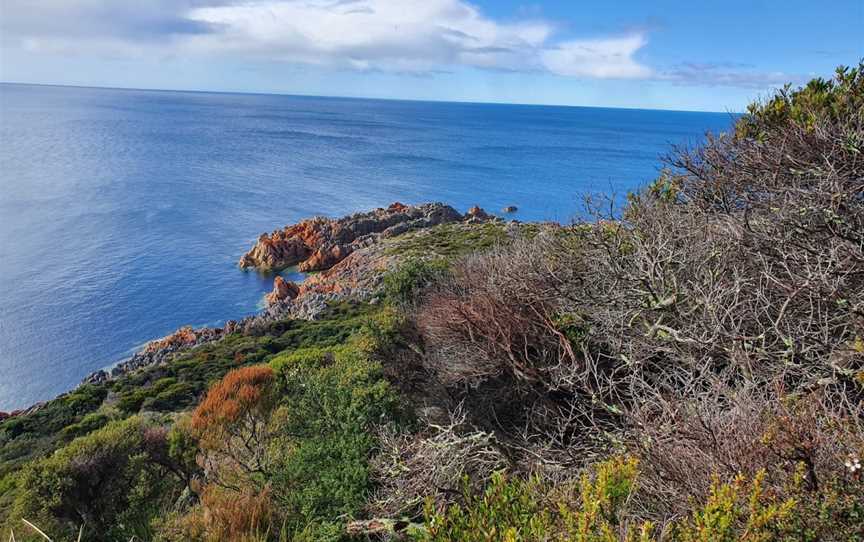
320,243
348,253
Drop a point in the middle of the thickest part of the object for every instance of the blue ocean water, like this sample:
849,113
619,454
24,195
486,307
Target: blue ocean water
123,213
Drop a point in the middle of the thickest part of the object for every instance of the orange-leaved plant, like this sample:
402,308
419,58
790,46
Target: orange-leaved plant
232,423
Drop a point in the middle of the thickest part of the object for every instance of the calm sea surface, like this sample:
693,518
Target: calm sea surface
123,213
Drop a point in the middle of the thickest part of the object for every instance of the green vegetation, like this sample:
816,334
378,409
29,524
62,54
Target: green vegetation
333,399
530,510
448,240
691,370
112,480
807,107
596,510
409,279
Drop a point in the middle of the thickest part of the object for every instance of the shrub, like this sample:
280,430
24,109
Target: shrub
599,509
684,443
404,284
332,400
244,516
88,423
530,510
494,317
734,512
107,481
819,100
232,423
409,468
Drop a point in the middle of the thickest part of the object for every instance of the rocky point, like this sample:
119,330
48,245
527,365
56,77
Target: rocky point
320,243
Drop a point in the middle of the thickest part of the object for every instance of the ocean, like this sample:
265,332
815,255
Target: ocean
123,212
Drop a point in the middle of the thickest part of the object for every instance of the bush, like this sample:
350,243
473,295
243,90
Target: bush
511,509
110,481
600,509
332,400
432,464
88,423
821,100
232,424
223,514
684,443
404,284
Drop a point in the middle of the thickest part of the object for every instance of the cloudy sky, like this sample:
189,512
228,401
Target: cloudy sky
655,54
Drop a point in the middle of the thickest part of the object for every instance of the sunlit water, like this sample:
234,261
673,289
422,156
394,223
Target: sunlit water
123,213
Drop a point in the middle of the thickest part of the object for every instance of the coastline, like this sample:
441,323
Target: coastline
343,259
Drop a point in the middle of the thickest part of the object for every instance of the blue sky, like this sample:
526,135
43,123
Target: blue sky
714,56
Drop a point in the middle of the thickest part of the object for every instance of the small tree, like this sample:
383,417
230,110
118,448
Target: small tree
232,425
109,481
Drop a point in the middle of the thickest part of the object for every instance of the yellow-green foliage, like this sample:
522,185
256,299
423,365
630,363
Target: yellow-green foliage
512,510
597,510
109,481
820,99
738,512
601,501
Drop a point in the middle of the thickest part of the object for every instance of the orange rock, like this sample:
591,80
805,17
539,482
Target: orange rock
477,214
282,290
320,243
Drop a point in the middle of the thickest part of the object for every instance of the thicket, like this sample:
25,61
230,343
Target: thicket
712,329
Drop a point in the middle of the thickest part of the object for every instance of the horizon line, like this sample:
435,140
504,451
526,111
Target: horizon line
330,96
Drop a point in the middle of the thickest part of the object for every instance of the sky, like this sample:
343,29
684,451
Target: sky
660,54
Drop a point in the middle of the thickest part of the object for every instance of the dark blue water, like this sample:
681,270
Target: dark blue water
123,213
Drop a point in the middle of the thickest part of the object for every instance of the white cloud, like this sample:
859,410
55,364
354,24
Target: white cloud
414,36
403,35
601,58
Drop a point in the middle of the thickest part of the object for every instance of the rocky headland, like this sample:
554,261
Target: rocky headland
349,256
320,243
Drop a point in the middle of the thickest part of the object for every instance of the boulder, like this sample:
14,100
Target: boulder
477,214
282,290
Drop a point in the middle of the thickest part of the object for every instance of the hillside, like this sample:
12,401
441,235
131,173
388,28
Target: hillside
687,367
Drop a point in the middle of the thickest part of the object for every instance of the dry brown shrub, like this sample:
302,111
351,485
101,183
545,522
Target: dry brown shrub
431,463
684,443
495,316
740,272
246,516
496,332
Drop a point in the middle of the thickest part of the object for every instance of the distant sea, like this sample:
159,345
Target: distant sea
123,212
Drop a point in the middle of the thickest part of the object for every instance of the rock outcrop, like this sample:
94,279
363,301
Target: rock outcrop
158,351
477,214
320,243
282,290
